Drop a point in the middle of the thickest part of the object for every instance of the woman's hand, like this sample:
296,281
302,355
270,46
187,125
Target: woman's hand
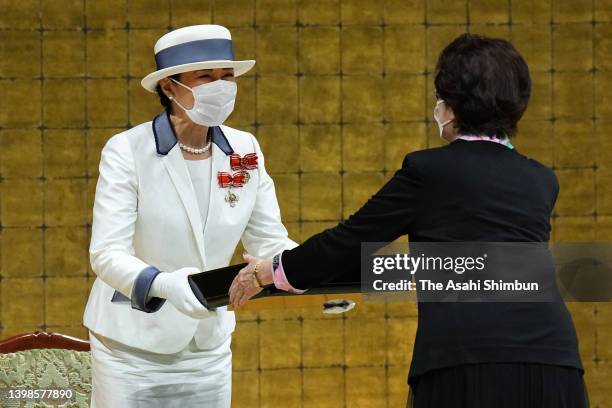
245,284
174,287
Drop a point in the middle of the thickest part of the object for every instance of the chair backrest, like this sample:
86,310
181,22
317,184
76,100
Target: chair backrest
42,340
49,361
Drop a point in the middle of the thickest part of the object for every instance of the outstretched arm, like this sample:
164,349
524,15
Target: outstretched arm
336,251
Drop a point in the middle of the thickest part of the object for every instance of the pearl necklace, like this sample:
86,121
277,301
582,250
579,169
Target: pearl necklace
194,150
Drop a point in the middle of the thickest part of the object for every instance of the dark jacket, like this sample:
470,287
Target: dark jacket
464,191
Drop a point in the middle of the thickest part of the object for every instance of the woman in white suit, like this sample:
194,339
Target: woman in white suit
174,197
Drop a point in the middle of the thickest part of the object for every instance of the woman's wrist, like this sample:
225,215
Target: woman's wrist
279,277
265,273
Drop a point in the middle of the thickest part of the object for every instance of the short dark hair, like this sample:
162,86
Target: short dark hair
486,82
163,99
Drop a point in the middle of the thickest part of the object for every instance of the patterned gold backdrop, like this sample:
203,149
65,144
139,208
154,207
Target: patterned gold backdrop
342,90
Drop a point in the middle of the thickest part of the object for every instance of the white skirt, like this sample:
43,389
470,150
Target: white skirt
127,377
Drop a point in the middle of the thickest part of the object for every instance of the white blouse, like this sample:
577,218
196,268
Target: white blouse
200,172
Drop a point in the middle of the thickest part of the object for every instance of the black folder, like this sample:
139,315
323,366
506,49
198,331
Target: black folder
212,287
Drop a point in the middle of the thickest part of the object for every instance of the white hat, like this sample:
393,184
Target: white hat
191,48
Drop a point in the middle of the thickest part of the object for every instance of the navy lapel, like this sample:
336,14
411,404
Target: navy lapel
165,137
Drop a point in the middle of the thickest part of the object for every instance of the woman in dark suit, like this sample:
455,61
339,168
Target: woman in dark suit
476,188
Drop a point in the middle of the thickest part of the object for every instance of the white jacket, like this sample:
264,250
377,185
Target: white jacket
146,218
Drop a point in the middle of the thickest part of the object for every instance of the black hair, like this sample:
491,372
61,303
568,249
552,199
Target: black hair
486,82
163,99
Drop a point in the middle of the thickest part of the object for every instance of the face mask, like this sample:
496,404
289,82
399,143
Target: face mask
213,102
440,125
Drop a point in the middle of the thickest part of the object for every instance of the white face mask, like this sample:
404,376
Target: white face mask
213,102
440,124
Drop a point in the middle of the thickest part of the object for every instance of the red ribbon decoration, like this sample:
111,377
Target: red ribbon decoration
247,162
230,180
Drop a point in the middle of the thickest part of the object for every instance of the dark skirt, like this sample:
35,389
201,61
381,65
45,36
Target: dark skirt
499,385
